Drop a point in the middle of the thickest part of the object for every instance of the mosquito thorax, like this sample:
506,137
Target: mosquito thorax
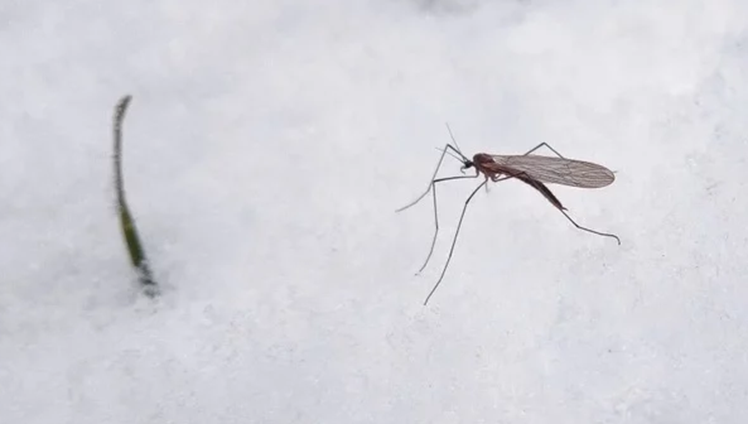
481,159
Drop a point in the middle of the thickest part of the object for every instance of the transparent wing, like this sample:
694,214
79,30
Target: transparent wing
555,170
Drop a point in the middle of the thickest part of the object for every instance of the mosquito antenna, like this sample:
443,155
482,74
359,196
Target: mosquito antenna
458,149
450,154
454,241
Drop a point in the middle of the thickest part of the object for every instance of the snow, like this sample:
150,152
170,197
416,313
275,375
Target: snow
266,149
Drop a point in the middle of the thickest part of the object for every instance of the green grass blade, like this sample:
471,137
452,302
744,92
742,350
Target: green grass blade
129,231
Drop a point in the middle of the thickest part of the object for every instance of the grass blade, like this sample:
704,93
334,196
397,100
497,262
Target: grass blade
129,231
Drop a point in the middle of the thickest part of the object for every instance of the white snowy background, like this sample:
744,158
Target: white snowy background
266,149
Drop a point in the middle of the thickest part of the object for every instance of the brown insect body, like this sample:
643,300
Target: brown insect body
533,170
486,165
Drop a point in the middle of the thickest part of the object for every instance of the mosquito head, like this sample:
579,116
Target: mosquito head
466,164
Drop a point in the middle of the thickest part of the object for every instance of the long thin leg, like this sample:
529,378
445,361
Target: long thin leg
431,183
544,144
436,214
454,241
551,197
432,188
433,177
589,230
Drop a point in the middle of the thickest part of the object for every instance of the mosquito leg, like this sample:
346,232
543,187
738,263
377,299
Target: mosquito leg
544,144
433,177
454,240
591,230
436,214
540,187
436,171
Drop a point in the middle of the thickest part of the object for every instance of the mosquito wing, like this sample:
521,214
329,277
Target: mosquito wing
553,170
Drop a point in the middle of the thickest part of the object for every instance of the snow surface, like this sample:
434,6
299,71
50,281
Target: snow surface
266,149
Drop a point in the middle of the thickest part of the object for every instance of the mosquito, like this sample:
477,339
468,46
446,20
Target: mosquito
533,170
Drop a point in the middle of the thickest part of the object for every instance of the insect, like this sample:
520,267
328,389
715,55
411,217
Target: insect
533,170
